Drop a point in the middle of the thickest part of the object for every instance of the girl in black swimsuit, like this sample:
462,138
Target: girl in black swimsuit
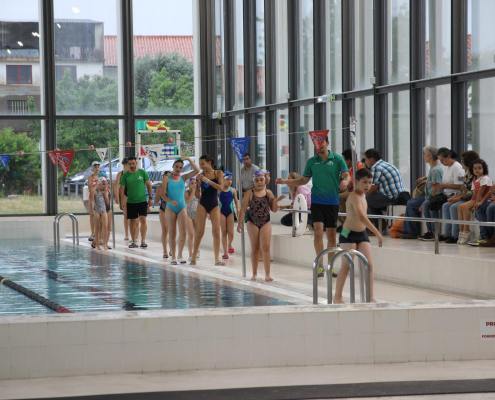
258,203
211,182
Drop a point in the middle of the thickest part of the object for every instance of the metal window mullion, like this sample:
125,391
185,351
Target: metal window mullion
320,51
250,67
417,120
459,102
230,66
348,60
380,52
293,53
50,137
270,88
128,73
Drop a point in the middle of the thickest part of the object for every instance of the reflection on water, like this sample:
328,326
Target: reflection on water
82,280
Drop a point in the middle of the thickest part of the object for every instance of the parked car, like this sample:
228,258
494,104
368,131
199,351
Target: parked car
156,172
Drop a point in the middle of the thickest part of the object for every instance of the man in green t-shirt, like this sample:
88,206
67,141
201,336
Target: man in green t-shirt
136,186
330,175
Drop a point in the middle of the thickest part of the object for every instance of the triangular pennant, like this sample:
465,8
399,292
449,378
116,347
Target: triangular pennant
240,146
102,152
4,160
319,138
62,158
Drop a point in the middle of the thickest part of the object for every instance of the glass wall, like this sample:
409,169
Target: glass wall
307,123
481,34
283,147
398,40
305,83
365,125
219,56
334,45
438,43
334,117
20,58
260,52
239,54
163,57
481,119
87,57
261,140
363,45
21,161
282,50
399,134
438,116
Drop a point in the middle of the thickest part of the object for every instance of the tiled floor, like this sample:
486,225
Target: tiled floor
198,380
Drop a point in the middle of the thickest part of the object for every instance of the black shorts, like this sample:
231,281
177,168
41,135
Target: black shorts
355,237
137,210
325,214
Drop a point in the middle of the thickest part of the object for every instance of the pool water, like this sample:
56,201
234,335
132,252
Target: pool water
84,280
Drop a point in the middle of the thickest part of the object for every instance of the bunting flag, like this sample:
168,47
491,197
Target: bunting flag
240,146
102,152
319,138
62,158
4,160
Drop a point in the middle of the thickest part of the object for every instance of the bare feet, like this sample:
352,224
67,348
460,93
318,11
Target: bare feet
193,261
253,278
268,279
338,300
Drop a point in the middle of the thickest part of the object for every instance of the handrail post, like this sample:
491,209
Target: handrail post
437,237
352,282
293,223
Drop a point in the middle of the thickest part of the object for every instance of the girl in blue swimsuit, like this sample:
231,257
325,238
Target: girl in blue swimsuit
173,192
211,182
228,199
163,220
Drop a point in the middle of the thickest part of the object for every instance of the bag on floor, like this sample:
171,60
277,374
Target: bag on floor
397,229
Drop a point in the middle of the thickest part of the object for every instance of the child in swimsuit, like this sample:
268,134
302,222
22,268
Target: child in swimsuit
174,189
257,204
353,234
228,199
163,221
100,203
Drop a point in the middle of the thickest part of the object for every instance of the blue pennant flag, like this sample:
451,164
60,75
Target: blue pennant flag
240,146
4,160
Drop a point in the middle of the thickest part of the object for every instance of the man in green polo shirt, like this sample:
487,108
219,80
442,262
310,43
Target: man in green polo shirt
136,185
330,175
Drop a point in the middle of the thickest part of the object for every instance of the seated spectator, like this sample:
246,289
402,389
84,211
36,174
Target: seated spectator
487,214
452,185
388,187
294,190
451,207
481,192
421,204
347,154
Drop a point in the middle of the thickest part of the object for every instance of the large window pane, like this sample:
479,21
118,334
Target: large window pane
305,83
87,55
163,56
398,40
219,52
481,119
20,58
239,54
399,134
261,140
80,135
281,50
334,117
438,116
365,118
481,34
438,44
283,146
334,45
260,52
306,148
20,167
363,48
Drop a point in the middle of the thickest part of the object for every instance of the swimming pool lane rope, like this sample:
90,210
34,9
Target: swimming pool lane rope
34,296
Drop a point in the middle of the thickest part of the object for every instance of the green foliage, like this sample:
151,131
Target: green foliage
24,171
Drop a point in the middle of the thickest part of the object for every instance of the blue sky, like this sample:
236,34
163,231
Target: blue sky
151,17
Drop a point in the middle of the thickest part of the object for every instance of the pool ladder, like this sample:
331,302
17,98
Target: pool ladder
56,228
364,275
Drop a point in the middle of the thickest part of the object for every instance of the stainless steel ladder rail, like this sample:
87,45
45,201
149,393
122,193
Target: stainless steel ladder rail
364,275
56,228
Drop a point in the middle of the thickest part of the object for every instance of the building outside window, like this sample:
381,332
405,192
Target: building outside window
19,75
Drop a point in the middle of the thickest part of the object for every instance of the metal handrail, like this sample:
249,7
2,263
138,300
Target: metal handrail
56,228
364,274
436,221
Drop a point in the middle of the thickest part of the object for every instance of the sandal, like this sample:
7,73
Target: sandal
143,245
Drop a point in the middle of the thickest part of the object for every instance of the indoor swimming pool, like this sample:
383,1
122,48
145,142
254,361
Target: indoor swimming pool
80,280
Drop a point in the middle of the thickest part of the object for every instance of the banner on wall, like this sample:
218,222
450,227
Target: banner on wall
4,160
319,138
62,158
158,152
102,152
240,146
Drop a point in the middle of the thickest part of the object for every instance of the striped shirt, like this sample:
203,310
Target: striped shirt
388,179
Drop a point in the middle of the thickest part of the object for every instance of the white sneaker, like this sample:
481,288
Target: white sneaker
174,261
463,238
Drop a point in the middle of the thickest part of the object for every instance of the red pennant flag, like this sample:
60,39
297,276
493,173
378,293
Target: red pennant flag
318,138
62,158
